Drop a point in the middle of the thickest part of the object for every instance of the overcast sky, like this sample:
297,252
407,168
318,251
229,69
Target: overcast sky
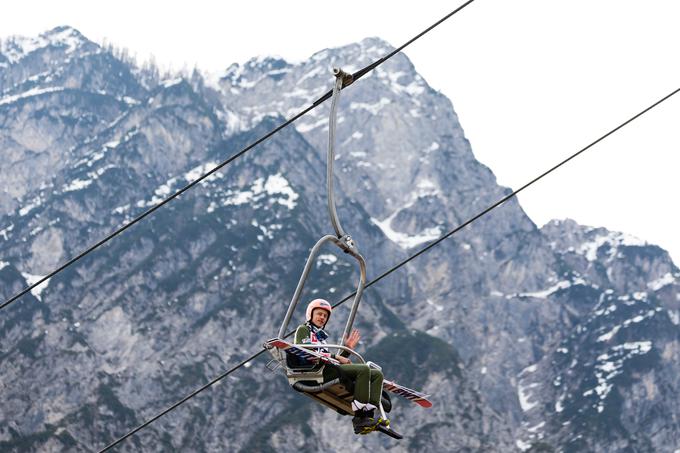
532,81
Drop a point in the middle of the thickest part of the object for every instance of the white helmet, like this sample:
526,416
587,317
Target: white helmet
318,303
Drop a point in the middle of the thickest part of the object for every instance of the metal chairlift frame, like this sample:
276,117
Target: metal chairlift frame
332,394
341,239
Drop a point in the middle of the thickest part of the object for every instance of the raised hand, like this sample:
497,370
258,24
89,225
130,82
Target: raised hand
353,339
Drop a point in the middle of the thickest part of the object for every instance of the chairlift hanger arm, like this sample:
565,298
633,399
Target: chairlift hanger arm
341,239
305,273
340,77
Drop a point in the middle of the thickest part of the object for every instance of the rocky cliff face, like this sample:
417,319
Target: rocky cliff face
562,338
606,383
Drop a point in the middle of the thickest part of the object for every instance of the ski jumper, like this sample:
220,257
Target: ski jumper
367,382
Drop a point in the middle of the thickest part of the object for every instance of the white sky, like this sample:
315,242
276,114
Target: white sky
532,81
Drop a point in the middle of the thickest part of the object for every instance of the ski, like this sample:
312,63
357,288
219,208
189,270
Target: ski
296,350
413,395
410,394
388,431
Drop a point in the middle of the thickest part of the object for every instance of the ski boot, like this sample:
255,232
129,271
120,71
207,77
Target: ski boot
364,422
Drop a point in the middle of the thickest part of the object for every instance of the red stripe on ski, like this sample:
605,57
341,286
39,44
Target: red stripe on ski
413,395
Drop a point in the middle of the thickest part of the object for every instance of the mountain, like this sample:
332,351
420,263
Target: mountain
560,338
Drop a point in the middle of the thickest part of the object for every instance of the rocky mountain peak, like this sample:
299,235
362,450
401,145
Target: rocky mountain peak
527,338
254,70
564,234
586,249
354,56
64,38
376,120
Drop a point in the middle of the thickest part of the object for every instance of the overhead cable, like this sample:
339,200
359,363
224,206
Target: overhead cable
403,263
357,75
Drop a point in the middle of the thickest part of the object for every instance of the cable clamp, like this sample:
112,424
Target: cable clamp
347,243
347,78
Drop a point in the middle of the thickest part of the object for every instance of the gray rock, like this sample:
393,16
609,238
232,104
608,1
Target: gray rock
562,338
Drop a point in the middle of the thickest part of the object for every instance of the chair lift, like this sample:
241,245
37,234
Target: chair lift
309,379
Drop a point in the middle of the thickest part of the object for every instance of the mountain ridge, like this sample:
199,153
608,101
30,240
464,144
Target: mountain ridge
184,295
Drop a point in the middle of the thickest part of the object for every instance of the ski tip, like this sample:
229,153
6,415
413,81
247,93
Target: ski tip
389,432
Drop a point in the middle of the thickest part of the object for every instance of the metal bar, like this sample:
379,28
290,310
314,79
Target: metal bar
339,74
329,346
341,239
342,79
382,411
357,296
317,388
273,365
301,284
305,273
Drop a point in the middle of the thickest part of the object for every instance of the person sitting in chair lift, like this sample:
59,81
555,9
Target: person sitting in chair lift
367,381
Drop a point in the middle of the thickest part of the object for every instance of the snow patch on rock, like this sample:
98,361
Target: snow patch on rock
613,239
659,283
32,279
29,93
404,240
524,396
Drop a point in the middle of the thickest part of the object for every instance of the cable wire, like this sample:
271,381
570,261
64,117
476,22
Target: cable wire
357,75
404,262
153,209
182,401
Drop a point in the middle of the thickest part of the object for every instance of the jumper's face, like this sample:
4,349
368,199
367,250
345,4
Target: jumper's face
319,317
